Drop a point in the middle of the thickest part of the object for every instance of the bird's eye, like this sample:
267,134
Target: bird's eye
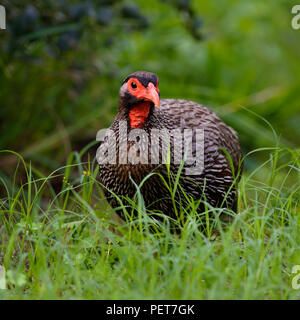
133,85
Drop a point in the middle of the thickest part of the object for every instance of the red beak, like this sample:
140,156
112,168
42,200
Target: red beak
151,94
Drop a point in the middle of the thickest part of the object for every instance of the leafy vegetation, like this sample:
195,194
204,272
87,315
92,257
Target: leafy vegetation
62,63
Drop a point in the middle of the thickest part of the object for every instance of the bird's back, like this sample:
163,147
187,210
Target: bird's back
219,139
191,115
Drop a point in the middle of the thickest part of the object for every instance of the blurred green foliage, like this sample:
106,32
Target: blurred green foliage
62,63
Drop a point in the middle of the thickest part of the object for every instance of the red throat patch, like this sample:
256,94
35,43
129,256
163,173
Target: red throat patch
138,114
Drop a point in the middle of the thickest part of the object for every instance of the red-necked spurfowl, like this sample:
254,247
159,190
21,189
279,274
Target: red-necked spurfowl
147,132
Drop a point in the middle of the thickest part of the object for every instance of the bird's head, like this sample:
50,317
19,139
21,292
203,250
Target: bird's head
138,94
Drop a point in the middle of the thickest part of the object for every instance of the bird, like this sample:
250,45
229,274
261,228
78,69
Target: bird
150,148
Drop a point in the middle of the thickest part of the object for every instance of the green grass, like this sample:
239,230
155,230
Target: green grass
70,244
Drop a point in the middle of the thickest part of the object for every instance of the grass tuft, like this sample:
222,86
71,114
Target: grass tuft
72,245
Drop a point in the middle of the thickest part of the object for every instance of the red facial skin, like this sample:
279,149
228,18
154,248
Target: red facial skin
139,113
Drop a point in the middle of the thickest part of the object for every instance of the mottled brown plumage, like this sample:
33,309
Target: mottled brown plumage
214,185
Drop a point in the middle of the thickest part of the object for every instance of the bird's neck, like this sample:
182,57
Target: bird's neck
138,114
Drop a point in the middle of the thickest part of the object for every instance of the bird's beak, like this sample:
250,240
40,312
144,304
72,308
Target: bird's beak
152,94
